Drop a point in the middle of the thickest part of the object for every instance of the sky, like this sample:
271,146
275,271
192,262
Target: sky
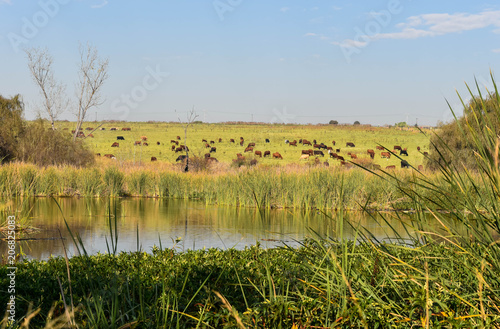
376,62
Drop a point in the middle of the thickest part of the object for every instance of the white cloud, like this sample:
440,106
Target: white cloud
284,9
496,51
5,1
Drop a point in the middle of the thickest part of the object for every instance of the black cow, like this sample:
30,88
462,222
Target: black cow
213,149
267,140
319,153
403,152
120,138
405,164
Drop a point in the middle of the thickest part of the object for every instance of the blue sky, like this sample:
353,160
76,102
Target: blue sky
377,62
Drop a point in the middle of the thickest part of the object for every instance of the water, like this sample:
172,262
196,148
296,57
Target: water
142,223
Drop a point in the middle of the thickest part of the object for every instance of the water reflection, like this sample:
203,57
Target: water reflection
142,223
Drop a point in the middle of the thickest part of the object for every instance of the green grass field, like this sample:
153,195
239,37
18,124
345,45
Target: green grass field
362,136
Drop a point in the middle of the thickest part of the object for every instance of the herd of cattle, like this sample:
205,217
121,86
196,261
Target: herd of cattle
317,150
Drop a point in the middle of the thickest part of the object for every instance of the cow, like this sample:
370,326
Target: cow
181,158
144,138
241,138
126,129
304,157
326,164
179,138
120,138
90,135
349,144
158,143
405,164
179,149
207,155
306,142
309,152
174,142
333,155
231,140
89,128
253,162
207,145
110,156
249,149
340,158
420,167
276,155
98,154
267,153
316,146
287,141
242,142
251,145
319,153
333,142
153,159
426,153
212,142
267,140
240,156
380,148
386,155
258,153
213,149
354,156
337,150
403,152
173,147
204,141
418,148
102,128
371,153
137,143
210,159
294,143
115,144
145,144
390,167
397,147
220,140
113,129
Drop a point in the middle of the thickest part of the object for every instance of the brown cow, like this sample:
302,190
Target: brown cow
294,143
266,153
172,141
98,154
144,138
386,155
145,144
114,128
326,164
418,148
249,149
115,144
153,159
397,147
371,153
210,160
390,167
420,167
179,137
242,142
158,143
220,140
89,128
173,147
349,144
90,135
309,152
333,142
259,153
204,141
333,155
340,158
251,145
126,129
110,156
138,143
231,140
179,149
306,142
276,155
354,156
213,149
378,147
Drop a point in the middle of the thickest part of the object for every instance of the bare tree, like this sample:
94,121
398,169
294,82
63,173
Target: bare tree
53,92
93,72
191,117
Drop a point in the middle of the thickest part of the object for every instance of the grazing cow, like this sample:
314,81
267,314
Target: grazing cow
333,142
318,153
90,135
158,143
426,153
340,158
144,144
241,138
204,141
294,143
114,128
314,141
403,152
337,150
231,140
179,138
181,158
153,159
300,141
239,156
259,153
309,152
115,144
212,142
98,154
179,149
276,155
287,141
306,142
120,138
405,164
316,146
174,142
173,147
110,156
126,129
386,155
89,128
390,167
103,128
267,153
349,144
420,167
418,148
304,157
371,153
333,155
354,156
242,142
380,148
249,149
207,145
397,147
144,138
213,149
207,155
210,160
253,162
267,140
220,140
251,145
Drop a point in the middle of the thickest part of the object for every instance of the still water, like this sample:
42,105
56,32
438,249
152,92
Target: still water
142,223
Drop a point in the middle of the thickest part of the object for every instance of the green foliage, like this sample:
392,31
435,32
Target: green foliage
356,123
45,147
400,124
11,126
333,122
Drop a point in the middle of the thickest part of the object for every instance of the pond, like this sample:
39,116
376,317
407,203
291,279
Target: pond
142,223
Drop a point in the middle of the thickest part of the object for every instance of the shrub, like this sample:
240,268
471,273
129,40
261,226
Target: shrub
11,126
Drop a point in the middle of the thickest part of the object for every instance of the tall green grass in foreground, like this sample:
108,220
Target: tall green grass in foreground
440,279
